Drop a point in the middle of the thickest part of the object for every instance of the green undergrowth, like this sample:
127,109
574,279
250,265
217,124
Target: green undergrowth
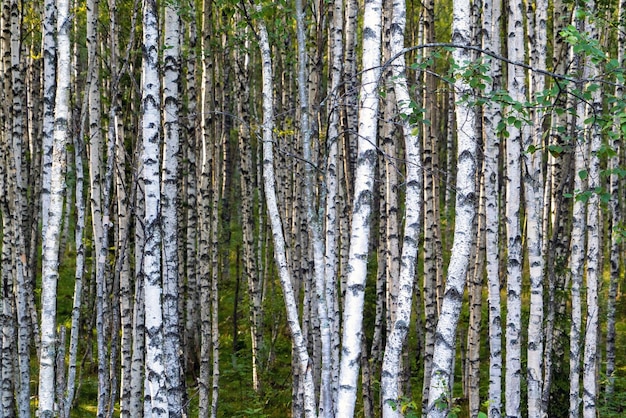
238,399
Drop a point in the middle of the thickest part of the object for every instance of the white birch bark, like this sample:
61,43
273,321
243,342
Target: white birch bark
169,215
362,207
22,284
18,111
99,208
155,391
204,215
533,203
439,400
492,116
49,86
390,379
351,105
8,370
577,245
315,224
276,225
517,90
13,255
332,193
593,269
50,256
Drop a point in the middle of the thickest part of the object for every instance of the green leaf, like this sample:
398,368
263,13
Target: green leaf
555,150
583,174
584,196
482,415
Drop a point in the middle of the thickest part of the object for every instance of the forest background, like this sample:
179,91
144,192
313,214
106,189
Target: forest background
323,208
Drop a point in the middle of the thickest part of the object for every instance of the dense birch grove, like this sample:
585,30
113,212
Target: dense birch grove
312,208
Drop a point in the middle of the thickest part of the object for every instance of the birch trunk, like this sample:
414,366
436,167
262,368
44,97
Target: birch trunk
49,87
593,270
439,400
332,189
362,201
8,369
169,215
17,196
533,203
577,245
204,215
433,271
8,323
213,295
390,183
8,239
155,389
100,221
50,257
390,377
314,222
492,116
517,90
276,224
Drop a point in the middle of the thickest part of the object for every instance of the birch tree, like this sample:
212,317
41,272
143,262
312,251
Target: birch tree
49,80
362,207
439,400
517,89
50,259
533,203
390,380
593,266
332,189
8,304
269,182
16,205
169,215
433,268
155,390
492,117
577,256
313,216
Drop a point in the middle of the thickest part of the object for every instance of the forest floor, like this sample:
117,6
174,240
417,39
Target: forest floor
237,399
